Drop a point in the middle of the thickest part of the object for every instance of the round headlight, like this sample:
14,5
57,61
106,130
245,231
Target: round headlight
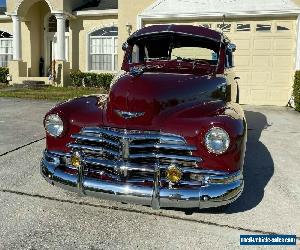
54,125
217,140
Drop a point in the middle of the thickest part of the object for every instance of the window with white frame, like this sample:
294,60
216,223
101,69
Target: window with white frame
6,50
103,49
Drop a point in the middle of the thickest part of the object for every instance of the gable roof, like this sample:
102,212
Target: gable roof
98,5
190,8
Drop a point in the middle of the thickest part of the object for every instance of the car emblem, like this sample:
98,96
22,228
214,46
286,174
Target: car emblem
136,71
129,115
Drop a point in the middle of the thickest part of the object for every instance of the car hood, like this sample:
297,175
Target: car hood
155,96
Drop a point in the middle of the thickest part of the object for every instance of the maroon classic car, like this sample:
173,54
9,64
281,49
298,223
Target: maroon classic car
171,132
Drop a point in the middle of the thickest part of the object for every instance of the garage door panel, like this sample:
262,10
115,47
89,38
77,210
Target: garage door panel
284,44
242,61
245,94
245,76
280,77
262,44
258,95
262,61
242,44
279,95
283,62
261,77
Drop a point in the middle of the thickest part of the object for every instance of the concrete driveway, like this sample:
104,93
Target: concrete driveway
35,215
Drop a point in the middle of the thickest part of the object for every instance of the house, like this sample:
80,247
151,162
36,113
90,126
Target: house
40,35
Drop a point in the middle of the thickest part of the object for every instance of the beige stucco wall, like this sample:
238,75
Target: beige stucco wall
80,29
22,6
128,12
6,25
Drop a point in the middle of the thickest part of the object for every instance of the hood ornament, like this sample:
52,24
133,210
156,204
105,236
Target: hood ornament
136,70
129,115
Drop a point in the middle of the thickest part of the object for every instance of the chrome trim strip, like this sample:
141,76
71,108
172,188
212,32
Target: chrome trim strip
165,146
128,115
99,162
155,203
80,174
101,150
113,165
136,136
94,139
57,154
165,156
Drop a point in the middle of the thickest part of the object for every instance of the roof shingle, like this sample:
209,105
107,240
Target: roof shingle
98,5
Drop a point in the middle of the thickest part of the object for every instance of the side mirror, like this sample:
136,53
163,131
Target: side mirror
231,47
125,46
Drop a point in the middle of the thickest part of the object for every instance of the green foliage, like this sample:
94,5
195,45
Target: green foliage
296,90
82,79
3,75
50,93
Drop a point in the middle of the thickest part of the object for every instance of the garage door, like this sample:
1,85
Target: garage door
264,59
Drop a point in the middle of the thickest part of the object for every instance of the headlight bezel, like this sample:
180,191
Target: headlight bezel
60,122
208,145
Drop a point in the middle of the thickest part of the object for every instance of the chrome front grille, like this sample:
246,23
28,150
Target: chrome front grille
134,146
130,155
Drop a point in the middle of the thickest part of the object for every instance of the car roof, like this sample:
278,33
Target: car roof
177,29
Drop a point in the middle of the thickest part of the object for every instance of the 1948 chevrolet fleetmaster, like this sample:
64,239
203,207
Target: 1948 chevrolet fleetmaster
170,133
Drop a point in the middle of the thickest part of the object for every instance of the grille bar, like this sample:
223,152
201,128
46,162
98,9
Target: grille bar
136,135
113,165
164,146
165,156
94,139
99,150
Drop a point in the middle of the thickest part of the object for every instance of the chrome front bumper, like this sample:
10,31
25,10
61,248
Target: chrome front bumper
220,188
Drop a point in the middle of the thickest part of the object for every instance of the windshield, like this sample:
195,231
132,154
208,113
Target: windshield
175,48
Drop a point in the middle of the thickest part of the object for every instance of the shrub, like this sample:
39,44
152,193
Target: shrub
296,90
3,75
82,79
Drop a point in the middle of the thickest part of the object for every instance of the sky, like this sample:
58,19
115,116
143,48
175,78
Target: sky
2,3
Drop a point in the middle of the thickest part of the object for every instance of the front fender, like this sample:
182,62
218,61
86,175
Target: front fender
193,124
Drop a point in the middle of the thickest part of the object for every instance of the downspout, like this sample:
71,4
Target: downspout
297,66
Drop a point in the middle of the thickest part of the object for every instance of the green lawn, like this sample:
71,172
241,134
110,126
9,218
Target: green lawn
49,93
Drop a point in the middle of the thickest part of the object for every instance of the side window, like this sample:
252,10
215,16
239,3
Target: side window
6,48
135,54
243,27
103,50
226,27
284,26
261,27
139,54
